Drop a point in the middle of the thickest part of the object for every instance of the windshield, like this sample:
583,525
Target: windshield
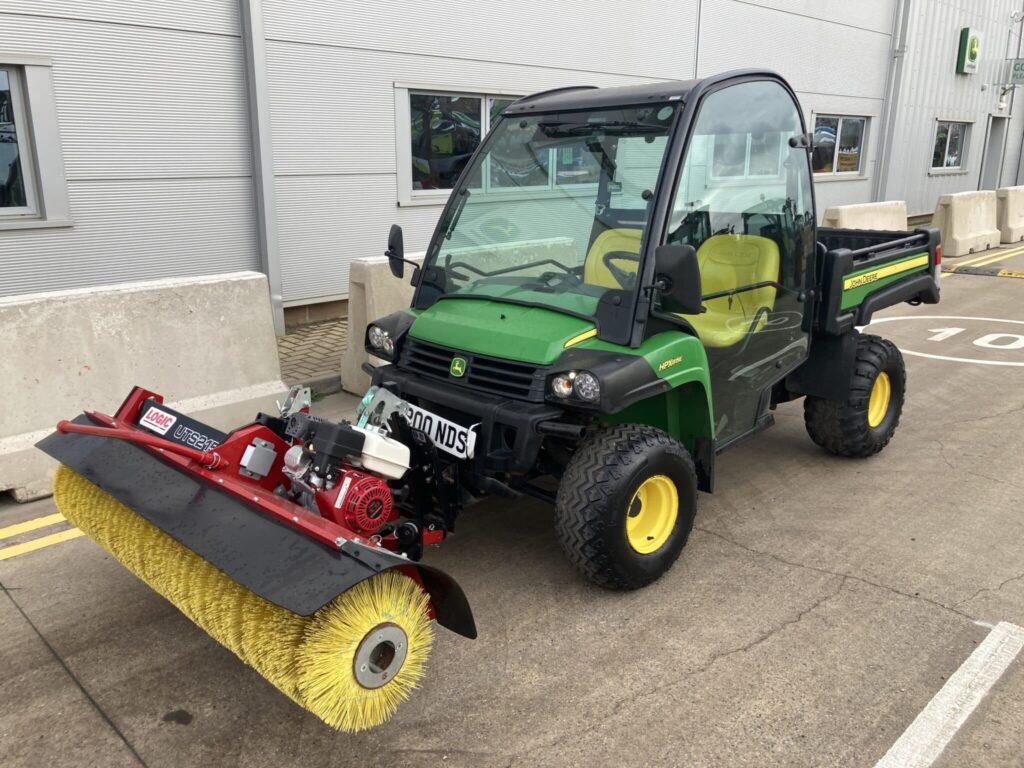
552,210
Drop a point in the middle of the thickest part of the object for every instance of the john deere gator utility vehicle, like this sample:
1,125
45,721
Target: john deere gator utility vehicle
624,283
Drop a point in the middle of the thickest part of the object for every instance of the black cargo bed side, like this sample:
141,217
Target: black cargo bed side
842,251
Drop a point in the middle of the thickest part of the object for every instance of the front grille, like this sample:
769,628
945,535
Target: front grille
506,378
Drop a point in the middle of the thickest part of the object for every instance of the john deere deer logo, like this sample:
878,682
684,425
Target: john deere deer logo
458,367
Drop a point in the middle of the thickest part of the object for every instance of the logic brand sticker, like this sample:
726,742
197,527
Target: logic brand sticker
670,362
157,420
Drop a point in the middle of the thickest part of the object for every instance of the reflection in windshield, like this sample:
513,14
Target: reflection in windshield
553,211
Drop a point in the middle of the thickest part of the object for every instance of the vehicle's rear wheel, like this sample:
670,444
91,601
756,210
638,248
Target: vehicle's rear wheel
625,506
863,424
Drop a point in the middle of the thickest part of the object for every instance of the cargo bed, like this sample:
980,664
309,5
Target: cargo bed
863,271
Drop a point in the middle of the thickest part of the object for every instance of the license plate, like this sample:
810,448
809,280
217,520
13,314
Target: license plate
446,435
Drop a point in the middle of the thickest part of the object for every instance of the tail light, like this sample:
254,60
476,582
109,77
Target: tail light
937,273
938,254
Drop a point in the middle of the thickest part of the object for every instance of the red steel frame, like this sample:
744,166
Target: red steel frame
215,467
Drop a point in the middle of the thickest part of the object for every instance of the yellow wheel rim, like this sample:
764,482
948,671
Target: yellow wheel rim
878,403
652,514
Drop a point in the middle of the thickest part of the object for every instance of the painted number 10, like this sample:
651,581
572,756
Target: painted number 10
989,340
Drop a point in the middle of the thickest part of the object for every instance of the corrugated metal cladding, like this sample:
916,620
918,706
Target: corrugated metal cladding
933,91
152,111
835,54
332,67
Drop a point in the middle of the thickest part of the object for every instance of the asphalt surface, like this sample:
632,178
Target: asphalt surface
819,606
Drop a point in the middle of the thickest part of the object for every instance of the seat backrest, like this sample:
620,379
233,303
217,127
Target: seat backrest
731,261
594,270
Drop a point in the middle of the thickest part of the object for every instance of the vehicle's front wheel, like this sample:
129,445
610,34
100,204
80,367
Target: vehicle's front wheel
863,424
626,505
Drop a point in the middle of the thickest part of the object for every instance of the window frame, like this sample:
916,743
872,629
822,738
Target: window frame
26,153
407,196
952,170
864,136
39,145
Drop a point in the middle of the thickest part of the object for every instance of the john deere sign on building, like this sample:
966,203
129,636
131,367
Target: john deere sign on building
1016,74
967,57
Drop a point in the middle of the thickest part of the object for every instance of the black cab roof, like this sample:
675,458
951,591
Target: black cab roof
583,97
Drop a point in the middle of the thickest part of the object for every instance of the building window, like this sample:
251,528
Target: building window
444,131
838,143
17,192
950,148
33,190
571,165
439,128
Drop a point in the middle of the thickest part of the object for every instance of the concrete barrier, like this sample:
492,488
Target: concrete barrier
1010,214
206,343
967,222
889,215
374,292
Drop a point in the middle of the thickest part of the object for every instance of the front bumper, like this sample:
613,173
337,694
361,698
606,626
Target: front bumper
509,435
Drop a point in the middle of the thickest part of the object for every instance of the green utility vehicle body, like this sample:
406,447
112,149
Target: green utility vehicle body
617,260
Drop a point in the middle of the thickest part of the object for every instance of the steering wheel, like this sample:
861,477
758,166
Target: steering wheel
623,277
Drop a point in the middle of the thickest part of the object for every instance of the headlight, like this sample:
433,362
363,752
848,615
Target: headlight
561,385
587,387
379,339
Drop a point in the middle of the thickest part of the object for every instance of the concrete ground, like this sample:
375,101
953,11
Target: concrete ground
819,606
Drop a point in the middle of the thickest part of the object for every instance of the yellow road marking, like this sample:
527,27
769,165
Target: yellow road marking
44,541
987,258
866,278
30,525
979,257
581,337
993,258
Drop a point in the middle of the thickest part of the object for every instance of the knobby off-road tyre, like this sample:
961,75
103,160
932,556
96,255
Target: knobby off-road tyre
625,506
865,423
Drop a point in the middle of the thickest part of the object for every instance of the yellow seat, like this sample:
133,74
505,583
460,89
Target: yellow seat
595,272
732,261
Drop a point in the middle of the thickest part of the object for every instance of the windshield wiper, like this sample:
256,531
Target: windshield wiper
507,270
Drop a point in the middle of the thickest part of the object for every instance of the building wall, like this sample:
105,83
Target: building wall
834,53
152,116
932,90
332,68
152,107
332,92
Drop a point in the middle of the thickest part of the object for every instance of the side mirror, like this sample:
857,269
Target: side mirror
396,251
677,277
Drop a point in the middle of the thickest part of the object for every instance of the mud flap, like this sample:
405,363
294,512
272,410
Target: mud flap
262,554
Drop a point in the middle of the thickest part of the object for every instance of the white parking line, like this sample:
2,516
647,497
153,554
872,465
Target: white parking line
935,727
